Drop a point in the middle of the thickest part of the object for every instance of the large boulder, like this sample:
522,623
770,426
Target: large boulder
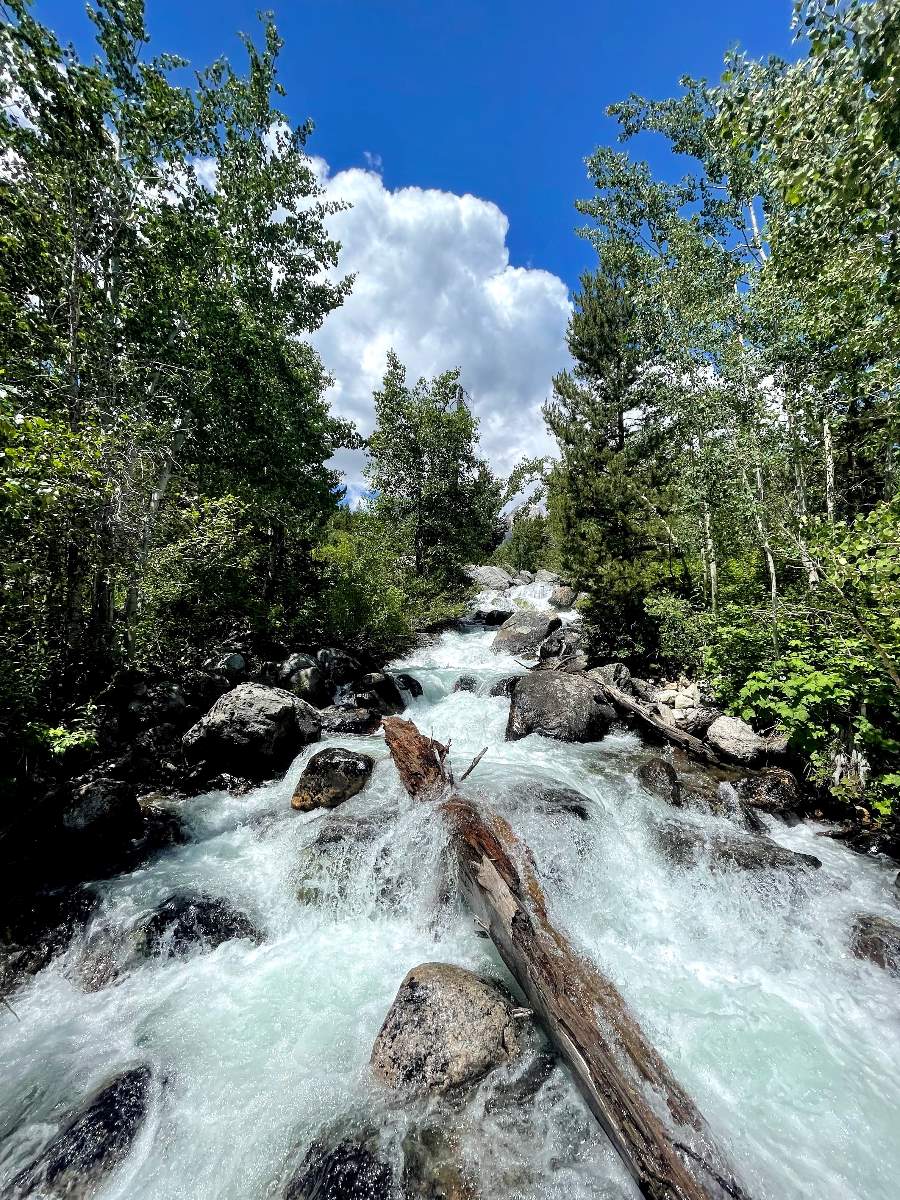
523,633
689,845
543,576
187,922
772,790
564,651
350,718
377,691
489,578
331,777
253,731
562,597
877,939
337,665
92,1142
492,616
558,705
446,1028
735,739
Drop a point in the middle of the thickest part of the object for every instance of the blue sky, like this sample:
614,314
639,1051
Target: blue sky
418,104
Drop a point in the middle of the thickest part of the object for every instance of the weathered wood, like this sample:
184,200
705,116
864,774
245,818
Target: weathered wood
644,714
419,759
650,1120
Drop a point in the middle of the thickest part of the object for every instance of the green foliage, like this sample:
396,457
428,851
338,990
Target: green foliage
528,547
682,631
78,736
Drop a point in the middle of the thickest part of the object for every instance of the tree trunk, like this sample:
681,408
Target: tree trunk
653,1124
711,562
828,447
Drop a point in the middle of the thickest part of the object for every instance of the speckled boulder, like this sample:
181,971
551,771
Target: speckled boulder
877,939
331,777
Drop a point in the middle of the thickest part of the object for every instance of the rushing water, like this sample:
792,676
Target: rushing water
787,1042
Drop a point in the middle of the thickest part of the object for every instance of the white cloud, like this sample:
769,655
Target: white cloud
434,281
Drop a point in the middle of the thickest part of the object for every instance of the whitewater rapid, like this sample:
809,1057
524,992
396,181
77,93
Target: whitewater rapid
788,1044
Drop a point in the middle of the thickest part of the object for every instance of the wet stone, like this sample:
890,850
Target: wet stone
331,777
466,683
185,923
877,939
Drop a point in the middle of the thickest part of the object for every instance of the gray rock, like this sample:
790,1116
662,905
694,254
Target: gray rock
337,665
310,685
293,664
466,683
562,597
735,739
91,1143
614,673
377,690
348,1167
661,779
331,777
525,577
232,664
564,651
446,1028
695,721
188,922
558,705
688,846
523,633
503,687
543,576
409,683
773,790
560,801
253,731
350,718
489,578
877,939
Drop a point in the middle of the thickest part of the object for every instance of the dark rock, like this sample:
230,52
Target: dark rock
562,597
253,731
101,807
38,927
232,665
558,705
446,1028
642,689
331,777
688,845
661,779
877,939
524,632
185,923
409,683
377,690
503,687
489,578
343,718
615,673
492,616
294,663
466,683
351,1169
563,651
773,790
91,1143
561,800
309,684
338,666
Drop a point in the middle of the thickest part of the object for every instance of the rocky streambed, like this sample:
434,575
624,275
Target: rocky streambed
291,1001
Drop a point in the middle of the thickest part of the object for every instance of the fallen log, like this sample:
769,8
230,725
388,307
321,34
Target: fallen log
653,1124
647,717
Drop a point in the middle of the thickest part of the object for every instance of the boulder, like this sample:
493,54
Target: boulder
525,577
560,801
233,665
489,578
689,845
331,777
524,632
660,779
466,683
877,939
92,1142
379,691
349,718
296,662
543,576
310,685
564,651
558,705
695,721
253,731
734,739
503,687
338,1167
561,597
492,616
773,790
99,805
337,666
446,1028
614,673
187,922
409,683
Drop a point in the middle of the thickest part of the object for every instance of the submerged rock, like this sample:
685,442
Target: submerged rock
466,683
688,846
186,922
253,731
877,939
330,777
772,790
92,1142
446,1028
524,632
351,1168
561,801
661,779
558,705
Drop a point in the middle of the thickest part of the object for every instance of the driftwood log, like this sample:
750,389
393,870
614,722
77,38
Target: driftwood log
651,1121
646,716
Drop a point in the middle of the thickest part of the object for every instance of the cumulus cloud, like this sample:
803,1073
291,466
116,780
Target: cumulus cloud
434,281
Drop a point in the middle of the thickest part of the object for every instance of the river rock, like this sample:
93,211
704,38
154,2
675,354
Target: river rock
492,616
772,790
338,666
877,939
543,576
661,779
615,673
331,777
558,705
409,683
503,687
187,922
348,1167
525,577
561,597
564,651
253,731
688,845
524,632
446,1028
349,718
92,1142
493,579
101,807
377,691
554,801
466,683
734,739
